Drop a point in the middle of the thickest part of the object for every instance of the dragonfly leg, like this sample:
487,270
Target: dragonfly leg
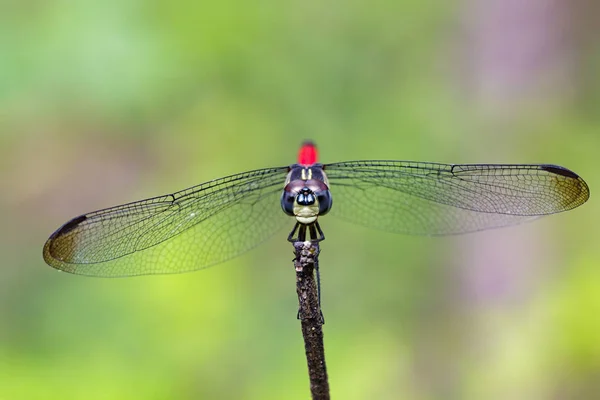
313,229
290,237
321,235
301,228
302,233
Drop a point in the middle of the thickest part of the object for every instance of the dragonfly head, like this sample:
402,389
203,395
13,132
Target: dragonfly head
306,200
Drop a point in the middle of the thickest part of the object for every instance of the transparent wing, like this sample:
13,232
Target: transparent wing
184,231
439,199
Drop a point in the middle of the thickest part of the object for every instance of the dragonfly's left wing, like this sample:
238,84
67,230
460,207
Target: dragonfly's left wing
183,231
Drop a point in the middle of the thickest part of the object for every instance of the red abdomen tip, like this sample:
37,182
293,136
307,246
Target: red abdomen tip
307,154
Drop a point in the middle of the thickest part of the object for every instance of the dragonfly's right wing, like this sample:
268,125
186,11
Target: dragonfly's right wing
438,199
184,231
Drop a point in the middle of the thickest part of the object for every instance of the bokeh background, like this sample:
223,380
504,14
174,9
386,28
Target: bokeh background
103,103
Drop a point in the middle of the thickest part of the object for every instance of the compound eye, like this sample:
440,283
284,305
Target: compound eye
287,202
325,202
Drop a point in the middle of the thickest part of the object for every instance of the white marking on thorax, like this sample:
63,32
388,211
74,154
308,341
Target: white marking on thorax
306,174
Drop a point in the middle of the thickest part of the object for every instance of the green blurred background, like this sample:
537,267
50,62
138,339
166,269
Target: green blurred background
108,102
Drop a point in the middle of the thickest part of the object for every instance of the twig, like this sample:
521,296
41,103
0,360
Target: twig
311,318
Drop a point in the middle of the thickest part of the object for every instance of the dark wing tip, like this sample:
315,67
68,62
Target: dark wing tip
69,226
558,170
53,259
583,193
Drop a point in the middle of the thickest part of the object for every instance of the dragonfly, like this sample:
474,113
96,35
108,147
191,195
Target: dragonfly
218,220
